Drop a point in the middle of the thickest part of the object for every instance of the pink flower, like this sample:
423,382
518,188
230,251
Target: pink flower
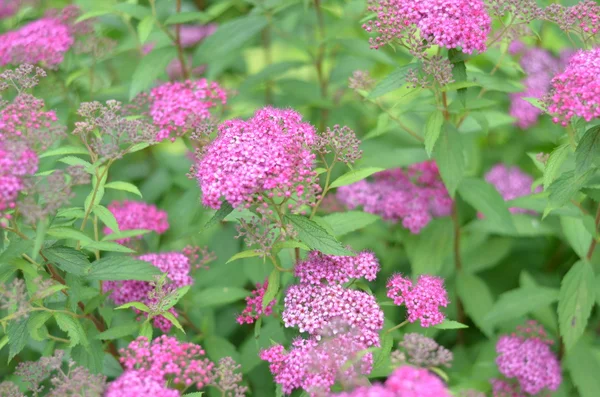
502,388
179,107
511,183
422,299
254,305
175,72
190,35
447,23
139,384
414,195
408,381
526,356
319,267
268,154
8,8
131,215
16,162
575,90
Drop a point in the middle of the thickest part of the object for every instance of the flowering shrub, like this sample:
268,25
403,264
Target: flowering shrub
386,198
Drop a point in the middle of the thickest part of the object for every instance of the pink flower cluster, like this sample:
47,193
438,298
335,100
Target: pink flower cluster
167,361
16,162
575,91
405,381
414,196
315,365
7,8
540,66
447,23
131,215
268,154
179,107
176,266
190,35
511,183
526,356
319,267
422,299
139,384
254,305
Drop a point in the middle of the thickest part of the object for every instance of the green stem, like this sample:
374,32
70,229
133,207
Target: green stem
402,324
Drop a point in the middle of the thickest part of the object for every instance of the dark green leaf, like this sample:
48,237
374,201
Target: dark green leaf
346,222
588,150
150,68
486,199
518,302
218,296
354,176
577,297
427,250
450,158
90,356
73,328
459,73
393,81
17,336
118,332
221,213
477,299
449,324
122,268
316,237
274,282
185,17
564,188
432,130
67,259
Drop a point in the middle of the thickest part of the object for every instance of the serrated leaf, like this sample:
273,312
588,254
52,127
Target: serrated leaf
588,150
316,237
118,332
555,160
393,81
486,199
577,297
106,217
150,68
433,128
173,320
221,213
36,325
90,356
114,268
17,336
124,186
346,222
565,187
138,305
354,176
244,254
520,301
218,296
448,153
64,150
69,233
73,328
450,324
274,282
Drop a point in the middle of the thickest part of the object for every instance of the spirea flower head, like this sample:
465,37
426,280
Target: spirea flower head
190,35
342,142
16,162
435,71
228,379
139,384
503,388
318,268
316,364
422,298
312,308
408,381
179,107
414,195
8,8
166,359
582,19
447,23
132,215
174,264
421,351
511,183
268,154
254,305
526,356
575,91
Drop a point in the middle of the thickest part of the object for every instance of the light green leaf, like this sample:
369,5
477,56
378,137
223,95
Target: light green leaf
218,296
72,160
555,161
244,254
107,246
577,297
346,222
173,320
138,305
433,127
69,233
112,268
354,176
393,81
133,10
173,298
125,234
584,366
450,158
185,17
274,283
316,237
67,259
106,217
64,150
145,27
588,150
576,234
520,301
36,325
449,324
477,299
150,68
486,199
124,186
17,336
146,329
118,332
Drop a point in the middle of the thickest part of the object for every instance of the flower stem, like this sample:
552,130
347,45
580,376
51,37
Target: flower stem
402,324
458,264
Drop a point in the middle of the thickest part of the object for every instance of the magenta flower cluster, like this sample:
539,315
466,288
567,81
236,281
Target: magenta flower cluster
179,107
7,8
526,357
190,35
270,155
139,384
16,162
575,91
447,23
254,305
177,267
318,268
414,195
131,215
511,183
422,298
405,381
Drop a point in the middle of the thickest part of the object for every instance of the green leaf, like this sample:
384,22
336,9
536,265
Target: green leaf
173,298
449,324
113,268
459,73
584,366
244,254
64,150
138,305
555,161
185,17
67,259
73,328
218,296
146,329
576,234
229,37
576,300
428,250
17,336
124,186
195,394
221,213
274,283
392,82
588,150
92,14
106,217
486,199
133,10
145,27
72,160
69,233
150,68
173,320
346,222
448,153
565,187
90,356
477,299
107,246
36,325
125,234
432,130
118,332
316,237
520,301
354,176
